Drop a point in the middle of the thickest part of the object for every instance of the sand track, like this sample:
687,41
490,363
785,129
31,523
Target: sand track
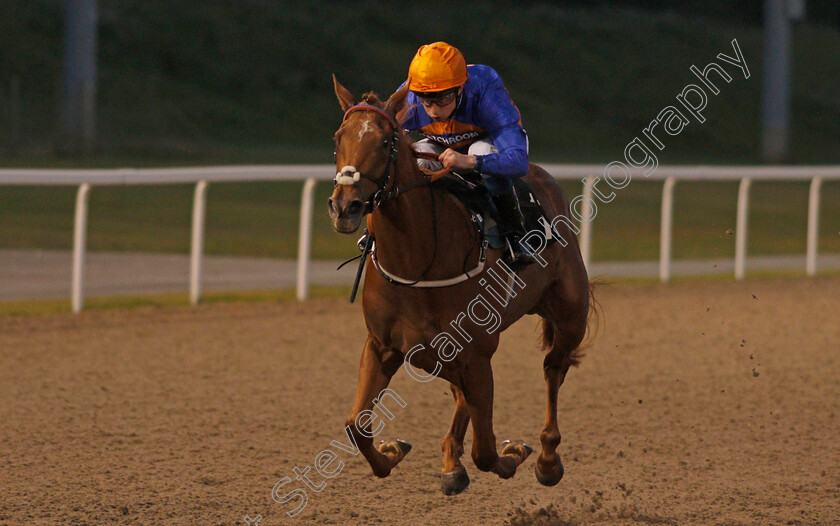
192,415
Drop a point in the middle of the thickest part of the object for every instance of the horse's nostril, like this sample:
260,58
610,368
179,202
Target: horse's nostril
355,207
330,205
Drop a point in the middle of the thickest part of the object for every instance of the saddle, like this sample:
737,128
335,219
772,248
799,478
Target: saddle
471,190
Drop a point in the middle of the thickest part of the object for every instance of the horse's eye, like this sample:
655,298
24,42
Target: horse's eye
386,143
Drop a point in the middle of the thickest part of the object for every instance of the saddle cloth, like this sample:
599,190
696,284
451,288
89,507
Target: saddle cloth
472,192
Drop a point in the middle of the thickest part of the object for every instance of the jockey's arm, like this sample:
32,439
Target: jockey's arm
451,159
502,121
512,159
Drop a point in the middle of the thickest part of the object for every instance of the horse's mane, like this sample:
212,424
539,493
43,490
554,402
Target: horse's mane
368,98
372,98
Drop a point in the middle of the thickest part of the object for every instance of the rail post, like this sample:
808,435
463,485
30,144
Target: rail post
741,228
813,226
665,235
305,238
79,245
197,240
586,226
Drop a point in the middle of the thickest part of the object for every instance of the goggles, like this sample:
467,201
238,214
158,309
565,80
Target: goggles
437,99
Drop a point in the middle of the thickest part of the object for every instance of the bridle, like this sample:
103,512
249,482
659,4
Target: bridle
383,193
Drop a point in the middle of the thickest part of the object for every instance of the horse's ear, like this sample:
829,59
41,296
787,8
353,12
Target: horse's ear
345,98
396,102
400,116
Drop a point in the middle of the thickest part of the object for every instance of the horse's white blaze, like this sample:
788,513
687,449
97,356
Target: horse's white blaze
365,128
348,175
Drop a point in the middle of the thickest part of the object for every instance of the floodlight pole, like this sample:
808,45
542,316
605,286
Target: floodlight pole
80,72
775,96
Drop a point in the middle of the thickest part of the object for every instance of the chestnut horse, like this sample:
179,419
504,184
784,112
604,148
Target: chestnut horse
423,234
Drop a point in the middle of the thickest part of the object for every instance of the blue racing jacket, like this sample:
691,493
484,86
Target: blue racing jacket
484,111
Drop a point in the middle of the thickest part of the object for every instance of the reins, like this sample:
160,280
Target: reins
382,195
433,175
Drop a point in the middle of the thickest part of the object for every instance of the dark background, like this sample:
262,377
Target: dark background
249,80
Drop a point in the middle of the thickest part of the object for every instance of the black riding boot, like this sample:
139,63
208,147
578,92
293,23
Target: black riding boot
511,225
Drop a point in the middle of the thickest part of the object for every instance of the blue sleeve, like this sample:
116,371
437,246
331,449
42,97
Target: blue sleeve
410,120
501,119
512,159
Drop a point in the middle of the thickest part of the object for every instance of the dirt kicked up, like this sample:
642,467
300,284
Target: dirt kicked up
700,403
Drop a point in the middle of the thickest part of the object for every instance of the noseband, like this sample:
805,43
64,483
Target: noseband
351,177
382,194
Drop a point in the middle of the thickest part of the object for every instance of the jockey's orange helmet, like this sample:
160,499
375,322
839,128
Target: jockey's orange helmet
437,67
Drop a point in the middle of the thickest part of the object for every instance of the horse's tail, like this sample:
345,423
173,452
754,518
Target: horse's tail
593,322
593,327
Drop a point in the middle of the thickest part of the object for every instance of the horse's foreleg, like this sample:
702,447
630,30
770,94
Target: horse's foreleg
454,478
375,371
478,391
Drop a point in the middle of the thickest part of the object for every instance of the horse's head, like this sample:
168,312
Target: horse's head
365,155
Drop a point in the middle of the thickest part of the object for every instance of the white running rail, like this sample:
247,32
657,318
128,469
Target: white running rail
85,180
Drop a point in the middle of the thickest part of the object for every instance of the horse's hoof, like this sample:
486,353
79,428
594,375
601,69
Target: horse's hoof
455,482
400,447
404,446
549,479
508,448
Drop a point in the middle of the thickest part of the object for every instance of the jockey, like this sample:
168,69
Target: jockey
470,121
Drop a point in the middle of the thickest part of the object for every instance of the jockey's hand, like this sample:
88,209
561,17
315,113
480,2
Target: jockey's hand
451,159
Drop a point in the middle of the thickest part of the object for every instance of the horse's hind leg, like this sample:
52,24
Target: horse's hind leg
453,476
375,371
564,325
